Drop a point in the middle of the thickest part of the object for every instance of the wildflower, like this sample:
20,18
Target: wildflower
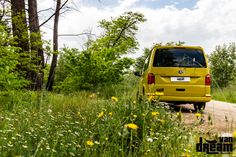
135,116
96,142
143,114
134,102
106,138
49,111
100,114
114,99
93,96
185,155
198,115
149,139
78,113
155,113
132,126
90,143
234,134
151,98
110,113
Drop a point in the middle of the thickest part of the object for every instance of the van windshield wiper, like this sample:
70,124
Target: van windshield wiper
190,62
198,63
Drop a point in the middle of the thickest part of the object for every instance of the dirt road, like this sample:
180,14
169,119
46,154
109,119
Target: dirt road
218,116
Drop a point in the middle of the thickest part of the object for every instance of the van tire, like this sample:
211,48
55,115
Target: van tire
199,106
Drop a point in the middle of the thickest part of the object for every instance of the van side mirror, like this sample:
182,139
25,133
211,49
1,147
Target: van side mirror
137,73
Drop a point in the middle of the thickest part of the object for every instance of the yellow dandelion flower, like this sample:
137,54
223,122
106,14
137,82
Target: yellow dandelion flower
100,114
155,113
135,116
185,155
106,138
134,102
90,143
151,98
110,113
198,115
132,126
114,99
234,134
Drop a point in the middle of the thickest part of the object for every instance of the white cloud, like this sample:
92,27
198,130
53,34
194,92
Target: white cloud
210,23
124,4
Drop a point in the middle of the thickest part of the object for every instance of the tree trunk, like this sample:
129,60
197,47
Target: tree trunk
21,36
37,56
19,24
55,48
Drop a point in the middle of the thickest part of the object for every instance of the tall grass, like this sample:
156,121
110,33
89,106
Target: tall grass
105,122
227,94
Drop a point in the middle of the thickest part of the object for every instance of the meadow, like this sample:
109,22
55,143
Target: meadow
105,122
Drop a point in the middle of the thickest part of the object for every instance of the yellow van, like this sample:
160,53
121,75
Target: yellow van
176,74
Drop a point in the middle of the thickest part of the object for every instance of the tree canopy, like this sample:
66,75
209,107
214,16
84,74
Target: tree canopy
104,60
223,64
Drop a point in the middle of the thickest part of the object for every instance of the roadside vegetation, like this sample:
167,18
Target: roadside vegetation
106,122
227,94
223,69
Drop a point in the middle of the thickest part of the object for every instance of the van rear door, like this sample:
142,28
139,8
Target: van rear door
180,71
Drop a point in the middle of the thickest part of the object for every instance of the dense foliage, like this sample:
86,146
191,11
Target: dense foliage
223,64
9,78
104,60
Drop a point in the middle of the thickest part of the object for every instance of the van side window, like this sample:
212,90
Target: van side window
146,63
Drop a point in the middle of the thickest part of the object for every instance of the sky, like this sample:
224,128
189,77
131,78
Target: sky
205,23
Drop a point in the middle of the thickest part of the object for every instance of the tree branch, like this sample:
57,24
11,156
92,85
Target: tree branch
54,13
76,34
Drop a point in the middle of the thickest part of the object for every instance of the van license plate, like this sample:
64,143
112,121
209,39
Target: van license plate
180,79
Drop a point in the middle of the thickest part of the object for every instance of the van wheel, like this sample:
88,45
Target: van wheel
199,106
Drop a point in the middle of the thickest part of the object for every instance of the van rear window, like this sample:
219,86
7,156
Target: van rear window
179,57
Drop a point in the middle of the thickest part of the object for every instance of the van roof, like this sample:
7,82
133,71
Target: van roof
184,47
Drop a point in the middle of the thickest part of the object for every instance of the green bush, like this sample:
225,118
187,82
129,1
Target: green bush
223,65
104,60
9,78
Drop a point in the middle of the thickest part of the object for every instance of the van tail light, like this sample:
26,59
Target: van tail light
151,78
208,80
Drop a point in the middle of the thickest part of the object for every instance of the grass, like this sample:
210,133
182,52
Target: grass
227,94
105,122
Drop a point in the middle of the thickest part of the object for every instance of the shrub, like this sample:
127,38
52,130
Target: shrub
104,61
223,64
9,78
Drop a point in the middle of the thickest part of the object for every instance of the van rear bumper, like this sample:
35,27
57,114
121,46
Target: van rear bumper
164,98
